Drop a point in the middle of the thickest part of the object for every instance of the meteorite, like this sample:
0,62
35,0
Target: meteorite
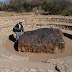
46,40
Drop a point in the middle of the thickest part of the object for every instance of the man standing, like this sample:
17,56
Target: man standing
18,29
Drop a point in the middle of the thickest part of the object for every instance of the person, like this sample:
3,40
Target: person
19,30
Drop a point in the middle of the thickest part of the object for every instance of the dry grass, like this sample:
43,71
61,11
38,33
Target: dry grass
10,14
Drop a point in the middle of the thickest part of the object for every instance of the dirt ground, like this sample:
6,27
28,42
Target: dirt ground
9,46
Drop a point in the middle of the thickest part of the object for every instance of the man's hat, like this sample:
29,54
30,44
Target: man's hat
20,22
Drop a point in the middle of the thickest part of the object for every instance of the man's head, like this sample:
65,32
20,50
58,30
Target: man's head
20,22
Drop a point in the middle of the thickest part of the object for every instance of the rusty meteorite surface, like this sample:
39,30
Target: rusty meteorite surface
46,40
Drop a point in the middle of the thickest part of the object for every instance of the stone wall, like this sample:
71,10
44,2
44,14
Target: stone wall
35,20
49,25
7,24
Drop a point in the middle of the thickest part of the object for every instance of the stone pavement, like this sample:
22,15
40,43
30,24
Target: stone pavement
7,65
13,63
10,62
68,61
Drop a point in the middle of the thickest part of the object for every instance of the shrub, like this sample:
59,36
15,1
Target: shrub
55,6
62,7
67,12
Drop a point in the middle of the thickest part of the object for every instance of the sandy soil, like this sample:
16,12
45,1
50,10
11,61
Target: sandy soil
9,45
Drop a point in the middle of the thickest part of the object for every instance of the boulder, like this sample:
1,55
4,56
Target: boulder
47,40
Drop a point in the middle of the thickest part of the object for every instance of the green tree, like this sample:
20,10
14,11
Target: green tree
1,5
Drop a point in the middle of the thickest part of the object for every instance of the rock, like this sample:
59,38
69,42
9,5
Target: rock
32,70
46,40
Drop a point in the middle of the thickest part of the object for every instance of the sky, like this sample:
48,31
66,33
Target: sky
2,0
5,0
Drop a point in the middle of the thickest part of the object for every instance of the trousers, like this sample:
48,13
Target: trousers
18,34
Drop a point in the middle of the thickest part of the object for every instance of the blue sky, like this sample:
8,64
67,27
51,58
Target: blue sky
5,0
2,0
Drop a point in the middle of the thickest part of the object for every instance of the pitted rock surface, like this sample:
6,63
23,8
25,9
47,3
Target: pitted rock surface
42,40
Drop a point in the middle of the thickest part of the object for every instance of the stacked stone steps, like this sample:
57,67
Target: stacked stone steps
27,66
7,23
40,18
34,66
68,61
10,62
36,22
8,29
11,21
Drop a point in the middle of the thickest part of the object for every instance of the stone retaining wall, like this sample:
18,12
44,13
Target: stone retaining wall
7,24
36,26
52,19
46,19
48,25
35,20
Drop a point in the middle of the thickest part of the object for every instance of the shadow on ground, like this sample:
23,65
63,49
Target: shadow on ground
11,37
68,35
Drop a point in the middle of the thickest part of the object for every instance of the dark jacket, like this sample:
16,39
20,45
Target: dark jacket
16,28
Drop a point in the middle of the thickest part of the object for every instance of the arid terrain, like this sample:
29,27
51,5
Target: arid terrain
9,45
31,22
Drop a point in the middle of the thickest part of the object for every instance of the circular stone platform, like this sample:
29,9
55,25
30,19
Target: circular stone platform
9,46
11,60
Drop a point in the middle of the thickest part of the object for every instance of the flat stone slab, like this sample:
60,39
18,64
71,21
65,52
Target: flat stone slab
3,51
67,59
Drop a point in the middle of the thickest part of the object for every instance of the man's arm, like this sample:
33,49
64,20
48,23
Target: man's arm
22,28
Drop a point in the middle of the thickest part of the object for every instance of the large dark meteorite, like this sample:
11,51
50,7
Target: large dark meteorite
46,40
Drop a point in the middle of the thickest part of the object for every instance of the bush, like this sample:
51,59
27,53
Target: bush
62,7
27,6
21,5
0,9
67,12
46,5
15,5
55,7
